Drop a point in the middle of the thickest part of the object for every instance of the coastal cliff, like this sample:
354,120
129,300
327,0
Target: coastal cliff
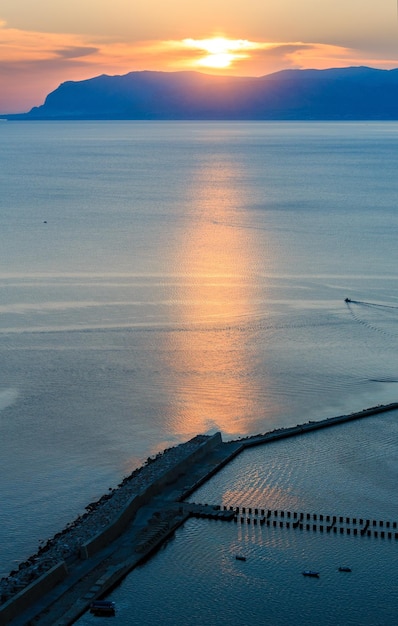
352,93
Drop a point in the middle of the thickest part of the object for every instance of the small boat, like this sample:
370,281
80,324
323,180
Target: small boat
347,300
311,573
102,608
345,568
239,557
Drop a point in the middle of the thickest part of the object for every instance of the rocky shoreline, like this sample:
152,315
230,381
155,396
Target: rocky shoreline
66,545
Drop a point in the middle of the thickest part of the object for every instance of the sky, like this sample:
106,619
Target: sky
44,43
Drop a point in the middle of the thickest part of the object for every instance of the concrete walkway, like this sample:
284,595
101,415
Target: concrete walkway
153,524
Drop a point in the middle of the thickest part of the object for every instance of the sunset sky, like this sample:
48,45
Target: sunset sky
46,42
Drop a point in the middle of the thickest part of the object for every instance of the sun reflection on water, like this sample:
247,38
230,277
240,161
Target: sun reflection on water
214,302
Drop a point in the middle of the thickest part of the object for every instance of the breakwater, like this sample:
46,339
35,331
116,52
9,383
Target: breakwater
284,433
164,481
294,431
104,521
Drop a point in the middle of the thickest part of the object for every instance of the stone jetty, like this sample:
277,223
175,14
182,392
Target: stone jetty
67,543
94,552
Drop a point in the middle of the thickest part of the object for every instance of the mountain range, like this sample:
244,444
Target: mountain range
352,93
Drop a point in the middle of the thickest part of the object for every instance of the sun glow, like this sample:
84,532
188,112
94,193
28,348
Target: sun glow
220,51
223,59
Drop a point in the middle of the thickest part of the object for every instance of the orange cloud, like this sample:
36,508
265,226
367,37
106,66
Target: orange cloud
17,45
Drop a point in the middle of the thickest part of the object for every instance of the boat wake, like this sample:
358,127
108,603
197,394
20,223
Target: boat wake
371,304
380,318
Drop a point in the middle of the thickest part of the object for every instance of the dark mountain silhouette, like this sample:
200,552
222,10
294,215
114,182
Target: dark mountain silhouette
352,93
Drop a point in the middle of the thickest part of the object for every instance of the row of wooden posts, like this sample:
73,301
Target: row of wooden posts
304,521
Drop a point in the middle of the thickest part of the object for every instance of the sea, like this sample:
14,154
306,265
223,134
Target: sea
164,279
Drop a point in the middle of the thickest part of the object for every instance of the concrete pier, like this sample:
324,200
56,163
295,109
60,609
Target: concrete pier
139,523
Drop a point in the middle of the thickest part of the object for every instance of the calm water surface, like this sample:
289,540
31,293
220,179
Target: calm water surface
163,279
349,471
208,585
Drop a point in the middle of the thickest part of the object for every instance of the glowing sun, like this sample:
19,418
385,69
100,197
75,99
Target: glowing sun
220,52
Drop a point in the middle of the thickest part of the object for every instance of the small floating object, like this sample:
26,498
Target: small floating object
102,608
239,557
347,300
345,568
311,573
